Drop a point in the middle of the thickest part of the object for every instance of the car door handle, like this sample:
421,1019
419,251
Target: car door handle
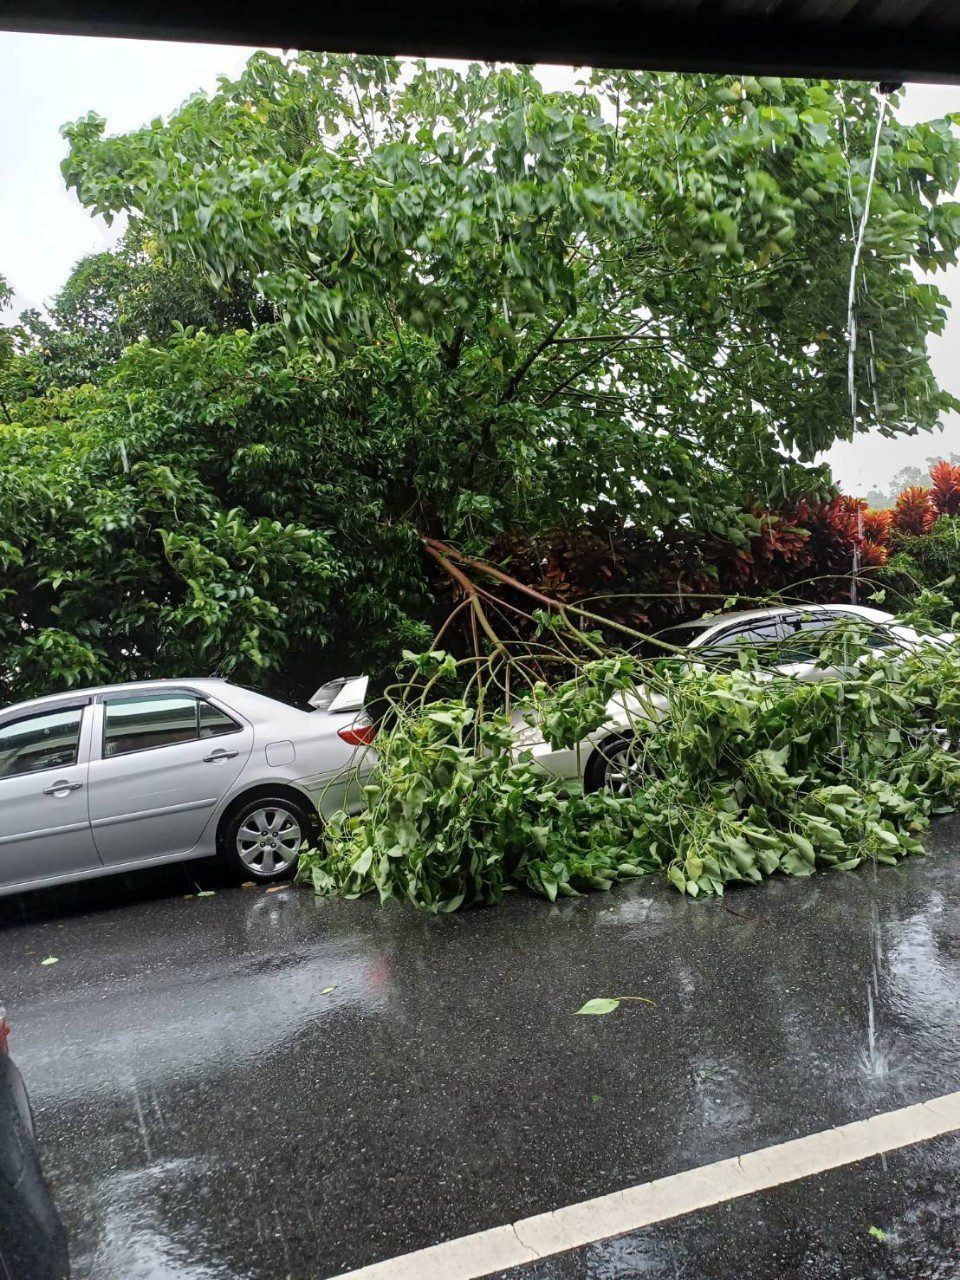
61,788
219,755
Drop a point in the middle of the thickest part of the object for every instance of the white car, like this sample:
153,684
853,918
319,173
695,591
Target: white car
126,776
784,632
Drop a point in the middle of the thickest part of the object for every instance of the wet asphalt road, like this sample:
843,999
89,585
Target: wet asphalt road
817,1228
207,1110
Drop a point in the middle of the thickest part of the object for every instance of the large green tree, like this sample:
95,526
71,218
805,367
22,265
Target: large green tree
212,506
498,310
120,296
657,258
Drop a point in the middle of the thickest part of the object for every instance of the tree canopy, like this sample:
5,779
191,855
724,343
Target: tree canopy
445,303
121,296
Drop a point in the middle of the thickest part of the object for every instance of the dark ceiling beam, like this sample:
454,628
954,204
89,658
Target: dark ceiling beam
658,34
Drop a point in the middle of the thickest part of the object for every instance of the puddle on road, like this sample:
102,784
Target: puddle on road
132,1230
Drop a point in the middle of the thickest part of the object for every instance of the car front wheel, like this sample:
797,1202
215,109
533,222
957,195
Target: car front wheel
264,838
616,766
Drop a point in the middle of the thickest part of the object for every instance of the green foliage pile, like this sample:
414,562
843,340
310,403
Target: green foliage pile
454,819
745,774
439,303
749,777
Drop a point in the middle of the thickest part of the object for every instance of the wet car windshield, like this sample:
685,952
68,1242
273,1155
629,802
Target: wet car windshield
678,637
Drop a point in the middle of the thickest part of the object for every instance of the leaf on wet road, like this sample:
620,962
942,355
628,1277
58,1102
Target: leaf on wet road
326,990
51,960
607,1004
878,1233
602,1004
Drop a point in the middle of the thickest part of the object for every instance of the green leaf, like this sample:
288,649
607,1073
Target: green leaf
364,862
804,847
598,1006
677,878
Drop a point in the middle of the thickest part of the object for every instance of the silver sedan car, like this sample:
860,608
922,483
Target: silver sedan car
134,775
787,636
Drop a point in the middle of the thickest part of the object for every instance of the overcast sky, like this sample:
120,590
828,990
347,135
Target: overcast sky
46,80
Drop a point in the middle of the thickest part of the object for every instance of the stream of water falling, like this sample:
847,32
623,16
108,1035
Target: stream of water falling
874,1059
855,264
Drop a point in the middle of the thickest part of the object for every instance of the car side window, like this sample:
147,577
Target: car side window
876,636
48,740
141,722
879,637
808,635
214,723
805,636
762,634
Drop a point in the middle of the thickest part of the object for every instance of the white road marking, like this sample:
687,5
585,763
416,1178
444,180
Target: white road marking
486,1252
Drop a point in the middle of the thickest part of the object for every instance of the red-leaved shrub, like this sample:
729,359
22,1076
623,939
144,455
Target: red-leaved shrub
872,555
914,511
946,488
876,526
808,549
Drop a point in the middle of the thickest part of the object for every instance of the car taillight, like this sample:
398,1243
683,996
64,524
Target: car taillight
4,1033
358,735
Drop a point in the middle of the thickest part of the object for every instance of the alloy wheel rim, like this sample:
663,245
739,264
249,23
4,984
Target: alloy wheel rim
624,773
269,840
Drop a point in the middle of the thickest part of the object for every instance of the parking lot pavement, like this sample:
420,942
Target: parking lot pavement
254,1085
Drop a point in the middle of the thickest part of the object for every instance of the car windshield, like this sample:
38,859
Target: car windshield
677,637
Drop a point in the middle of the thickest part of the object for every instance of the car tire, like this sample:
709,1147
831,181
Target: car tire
262,839
610,767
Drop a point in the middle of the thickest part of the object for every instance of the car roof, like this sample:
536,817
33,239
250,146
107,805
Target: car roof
744,615
741,615
709,625
863,610
68,697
